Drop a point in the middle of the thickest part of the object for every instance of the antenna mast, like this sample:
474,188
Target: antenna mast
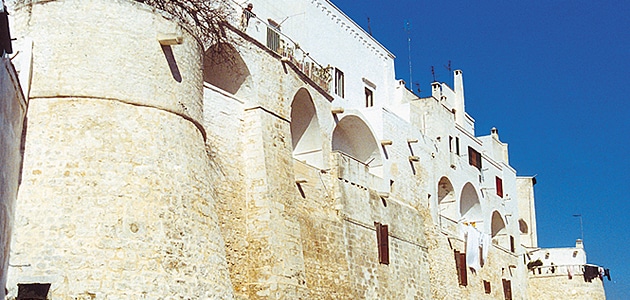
408,30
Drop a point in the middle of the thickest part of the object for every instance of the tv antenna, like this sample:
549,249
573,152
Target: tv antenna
408,30
433,73
448,67
369,27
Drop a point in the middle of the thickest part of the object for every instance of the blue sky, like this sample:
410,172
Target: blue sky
552,77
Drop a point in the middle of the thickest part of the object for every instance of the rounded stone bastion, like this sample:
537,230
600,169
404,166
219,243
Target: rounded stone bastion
115,200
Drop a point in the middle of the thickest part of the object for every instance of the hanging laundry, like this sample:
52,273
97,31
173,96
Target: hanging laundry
486,243
590,273
472,248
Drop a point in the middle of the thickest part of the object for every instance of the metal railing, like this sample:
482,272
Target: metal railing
557,270
448,224
291,51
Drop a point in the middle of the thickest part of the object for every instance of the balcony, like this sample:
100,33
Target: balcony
290,51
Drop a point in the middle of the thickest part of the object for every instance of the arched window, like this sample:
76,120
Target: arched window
469,206
224,68
305,132
354,138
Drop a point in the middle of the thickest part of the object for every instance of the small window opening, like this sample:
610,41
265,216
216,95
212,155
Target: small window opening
507,289
474,158
339,83
460,264
487,287
369,98
499,184
382,239
457,145
33,291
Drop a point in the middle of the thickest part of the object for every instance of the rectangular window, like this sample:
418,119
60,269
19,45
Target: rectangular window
512,246
339,85
460,264
499,186
457,145
507,289
474,158
486,287
450,144
369,98
382,239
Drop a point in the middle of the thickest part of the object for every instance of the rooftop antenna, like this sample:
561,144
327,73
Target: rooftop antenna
408,30
581,227
287,17
433,73
369,27
448,67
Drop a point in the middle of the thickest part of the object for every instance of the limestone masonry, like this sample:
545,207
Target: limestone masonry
139,162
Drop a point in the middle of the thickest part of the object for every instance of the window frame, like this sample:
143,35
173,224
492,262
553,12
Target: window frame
339,87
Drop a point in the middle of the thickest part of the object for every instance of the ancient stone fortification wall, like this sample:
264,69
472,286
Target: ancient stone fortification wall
12,112
316,239
115,199
561,287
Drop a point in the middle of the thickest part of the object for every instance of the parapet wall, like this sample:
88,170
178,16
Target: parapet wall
12,112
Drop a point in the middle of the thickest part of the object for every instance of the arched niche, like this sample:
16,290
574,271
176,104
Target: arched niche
224,68
523,227
305,131
447,203
497,224
354,138
469,205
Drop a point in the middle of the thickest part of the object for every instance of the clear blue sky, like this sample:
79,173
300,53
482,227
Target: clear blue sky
552,76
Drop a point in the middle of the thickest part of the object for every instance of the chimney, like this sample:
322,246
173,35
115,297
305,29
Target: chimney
460,110
579,244
436,90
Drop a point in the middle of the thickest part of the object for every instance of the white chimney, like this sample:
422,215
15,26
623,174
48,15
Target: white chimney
460,110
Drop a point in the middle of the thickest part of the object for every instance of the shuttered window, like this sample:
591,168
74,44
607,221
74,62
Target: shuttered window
499,187
474,158
486,287
460,264
382,239
507,289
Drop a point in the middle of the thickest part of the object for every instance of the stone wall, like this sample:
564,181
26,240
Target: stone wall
561,287
12,112
115,200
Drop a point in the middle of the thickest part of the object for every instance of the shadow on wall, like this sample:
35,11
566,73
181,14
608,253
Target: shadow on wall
224,68
306,134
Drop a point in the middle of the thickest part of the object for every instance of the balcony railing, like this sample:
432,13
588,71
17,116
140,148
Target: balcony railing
556,270
290,51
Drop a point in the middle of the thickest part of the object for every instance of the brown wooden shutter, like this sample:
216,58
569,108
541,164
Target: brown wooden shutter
486,287
507,289
460,264
499,187
474,158
382,238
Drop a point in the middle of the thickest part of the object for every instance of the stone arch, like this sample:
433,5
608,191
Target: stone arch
224,68
447,203
497,225
353,137
469,205
523,227
305,131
